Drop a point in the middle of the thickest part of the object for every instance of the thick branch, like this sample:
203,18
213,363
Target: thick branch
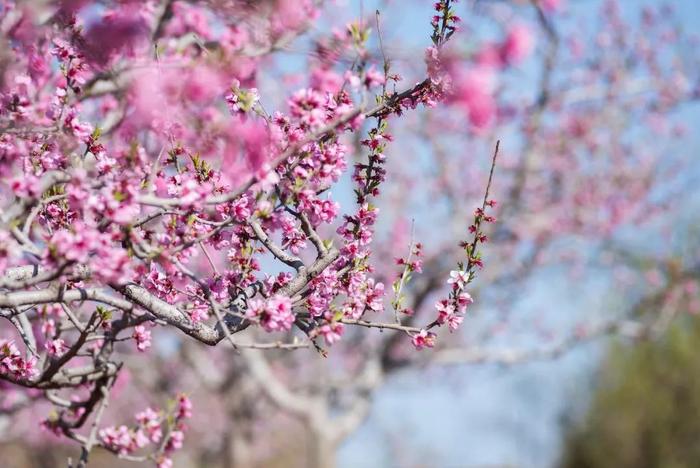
291,260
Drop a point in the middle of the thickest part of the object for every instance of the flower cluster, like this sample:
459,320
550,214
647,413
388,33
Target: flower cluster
13,364
445,22
423,339
364,294
149,425
122,440
241,101
331,332
473,85
323,290
152,427
73,64
274,314
313,109
142,336
451,311
55,347
412,264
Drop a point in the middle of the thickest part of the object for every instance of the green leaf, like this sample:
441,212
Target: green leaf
104,313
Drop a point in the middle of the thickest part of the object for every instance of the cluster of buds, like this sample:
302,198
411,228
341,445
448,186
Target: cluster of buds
473,255
369,176
13,364
444,22
413,263
72,64
451,311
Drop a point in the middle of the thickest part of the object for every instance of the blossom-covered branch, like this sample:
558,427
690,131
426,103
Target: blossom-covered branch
146,185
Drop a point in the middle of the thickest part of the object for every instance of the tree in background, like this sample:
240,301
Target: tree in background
645,402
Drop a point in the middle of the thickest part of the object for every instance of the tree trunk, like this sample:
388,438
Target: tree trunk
322,450
237,452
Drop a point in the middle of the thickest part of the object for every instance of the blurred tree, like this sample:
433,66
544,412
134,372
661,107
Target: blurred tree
644,413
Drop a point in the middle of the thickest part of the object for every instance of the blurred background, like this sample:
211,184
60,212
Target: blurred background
581,347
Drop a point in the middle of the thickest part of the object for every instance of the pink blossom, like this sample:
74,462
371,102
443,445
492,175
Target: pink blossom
150,422
158,282
518,44
184,407
55,347
117,30
454,320
375,295
142,337
458,278
48,327
326,80
241,208
447,314
309,106
141,439
275,314
553,5
473,90
8,348
444,310
267,177
189,19
25,368
120,439
241,100
332,332
11,361
280,309
25,186
293,15
464,299
373,78
293,238
437,70
424,339
164,462
175,441
74,246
